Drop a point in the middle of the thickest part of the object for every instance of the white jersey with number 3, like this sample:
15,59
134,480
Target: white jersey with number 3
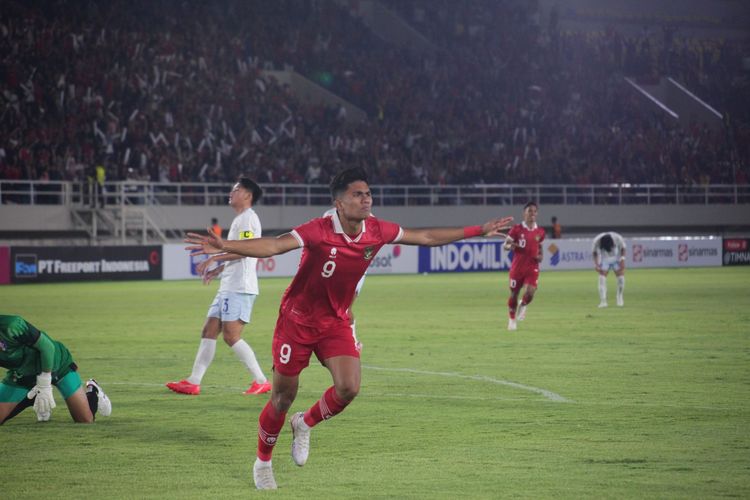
241,275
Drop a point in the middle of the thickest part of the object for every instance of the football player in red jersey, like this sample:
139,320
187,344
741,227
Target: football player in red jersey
314,313
525,239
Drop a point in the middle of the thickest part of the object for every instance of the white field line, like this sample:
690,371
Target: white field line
479,378
615,403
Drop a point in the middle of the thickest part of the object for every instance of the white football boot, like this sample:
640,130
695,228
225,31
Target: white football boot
263,475
301,441
521,315
512,326
104,407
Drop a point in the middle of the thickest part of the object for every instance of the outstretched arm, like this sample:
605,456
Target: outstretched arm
257,247
442,235
204,265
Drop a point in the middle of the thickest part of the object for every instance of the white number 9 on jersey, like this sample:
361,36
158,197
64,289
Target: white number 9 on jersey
328,269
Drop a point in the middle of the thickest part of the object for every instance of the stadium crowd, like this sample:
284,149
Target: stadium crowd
173,92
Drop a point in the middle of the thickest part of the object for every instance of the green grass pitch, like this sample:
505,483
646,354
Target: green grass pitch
647,401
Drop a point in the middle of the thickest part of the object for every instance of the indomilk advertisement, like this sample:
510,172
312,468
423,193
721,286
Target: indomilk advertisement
59,264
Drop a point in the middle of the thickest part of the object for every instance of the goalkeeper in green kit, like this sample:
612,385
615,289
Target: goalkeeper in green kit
35,363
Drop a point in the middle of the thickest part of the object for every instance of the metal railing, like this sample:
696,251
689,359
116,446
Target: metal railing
151,193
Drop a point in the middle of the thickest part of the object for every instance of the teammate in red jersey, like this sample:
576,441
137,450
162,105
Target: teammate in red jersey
525,239
314,313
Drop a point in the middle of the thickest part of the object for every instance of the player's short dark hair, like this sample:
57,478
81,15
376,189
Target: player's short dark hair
252,186
606,243
341,181
530,203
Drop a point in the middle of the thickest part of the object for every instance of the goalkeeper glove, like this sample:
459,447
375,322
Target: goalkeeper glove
41,393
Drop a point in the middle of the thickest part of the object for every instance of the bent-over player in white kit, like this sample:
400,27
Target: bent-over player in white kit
609,254
233,305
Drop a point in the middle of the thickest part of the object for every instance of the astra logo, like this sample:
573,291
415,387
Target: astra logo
554,254
194,261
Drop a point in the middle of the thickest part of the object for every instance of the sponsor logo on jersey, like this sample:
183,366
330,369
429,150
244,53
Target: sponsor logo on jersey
368,253
247,235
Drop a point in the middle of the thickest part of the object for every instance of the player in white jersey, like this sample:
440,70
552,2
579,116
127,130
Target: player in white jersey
609,254
233,305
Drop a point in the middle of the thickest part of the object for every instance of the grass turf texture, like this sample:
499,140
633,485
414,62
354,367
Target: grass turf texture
658,393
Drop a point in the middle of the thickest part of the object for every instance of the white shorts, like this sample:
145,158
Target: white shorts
360,284
232,306
610,264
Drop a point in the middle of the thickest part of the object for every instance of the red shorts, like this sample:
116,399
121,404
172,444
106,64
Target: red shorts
523,276
294,343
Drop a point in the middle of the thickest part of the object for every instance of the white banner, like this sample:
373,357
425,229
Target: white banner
674,252
567,254
395,259
641,252
176,262
561,254
392,259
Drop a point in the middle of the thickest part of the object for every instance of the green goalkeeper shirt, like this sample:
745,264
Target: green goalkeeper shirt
20,352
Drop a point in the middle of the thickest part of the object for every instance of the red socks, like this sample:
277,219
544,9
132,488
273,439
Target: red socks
271,421
512,305
326,407
270,424
527,298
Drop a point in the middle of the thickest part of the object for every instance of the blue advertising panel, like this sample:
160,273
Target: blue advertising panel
468,256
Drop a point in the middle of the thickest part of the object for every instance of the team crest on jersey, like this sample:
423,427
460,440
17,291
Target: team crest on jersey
368,253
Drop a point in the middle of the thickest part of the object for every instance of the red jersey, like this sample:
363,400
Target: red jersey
529,242
331,265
